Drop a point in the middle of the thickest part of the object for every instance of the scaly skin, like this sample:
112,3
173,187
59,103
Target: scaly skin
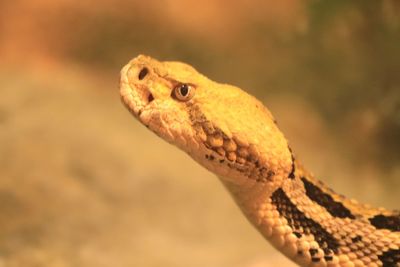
233,135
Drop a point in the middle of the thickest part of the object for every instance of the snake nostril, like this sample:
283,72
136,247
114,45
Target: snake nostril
143,72
150,98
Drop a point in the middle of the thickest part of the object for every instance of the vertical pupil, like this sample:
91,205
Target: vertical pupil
184,89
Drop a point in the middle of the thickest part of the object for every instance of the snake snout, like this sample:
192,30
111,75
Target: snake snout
134,88
137,80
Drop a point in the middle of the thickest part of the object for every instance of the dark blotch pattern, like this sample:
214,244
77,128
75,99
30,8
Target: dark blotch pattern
386,222
291,174
390,258
356,239
298,221
336,209
328,258
313,251
297,234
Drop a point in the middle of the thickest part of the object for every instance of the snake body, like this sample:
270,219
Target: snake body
233,135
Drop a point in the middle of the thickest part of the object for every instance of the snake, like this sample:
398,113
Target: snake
233,135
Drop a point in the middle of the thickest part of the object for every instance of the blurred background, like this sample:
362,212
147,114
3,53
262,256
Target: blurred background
83,184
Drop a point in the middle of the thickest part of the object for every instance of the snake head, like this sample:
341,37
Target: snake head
157,94
222,127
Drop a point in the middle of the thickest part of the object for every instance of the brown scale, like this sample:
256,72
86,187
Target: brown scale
236,156
356,245
335,208
390,258
381,221
353,243
301,224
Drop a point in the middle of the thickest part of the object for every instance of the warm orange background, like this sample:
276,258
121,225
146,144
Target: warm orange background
83,184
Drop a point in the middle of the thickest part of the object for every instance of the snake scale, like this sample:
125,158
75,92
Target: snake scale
233,135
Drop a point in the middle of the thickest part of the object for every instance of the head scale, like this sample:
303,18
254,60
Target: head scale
222,127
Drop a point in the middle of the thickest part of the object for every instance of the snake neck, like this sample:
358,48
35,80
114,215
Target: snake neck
309,222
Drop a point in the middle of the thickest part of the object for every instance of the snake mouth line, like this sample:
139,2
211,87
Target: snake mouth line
135,110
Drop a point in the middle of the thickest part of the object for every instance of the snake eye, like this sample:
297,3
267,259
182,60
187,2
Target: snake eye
183,92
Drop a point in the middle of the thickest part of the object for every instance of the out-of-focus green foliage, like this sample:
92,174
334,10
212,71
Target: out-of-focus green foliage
357,60
341,56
